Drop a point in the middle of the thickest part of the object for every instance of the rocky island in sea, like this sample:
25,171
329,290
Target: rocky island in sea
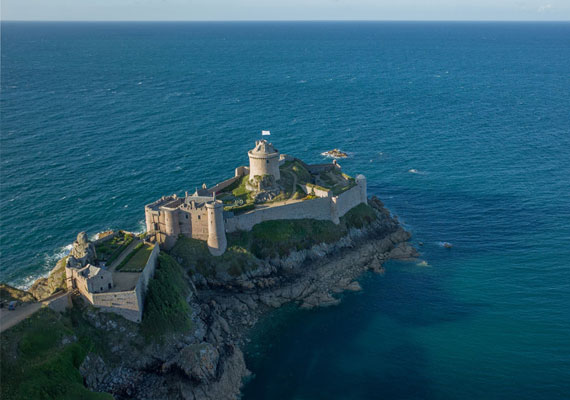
165,314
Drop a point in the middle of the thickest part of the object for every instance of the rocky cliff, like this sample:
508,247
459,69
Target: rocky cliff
207,362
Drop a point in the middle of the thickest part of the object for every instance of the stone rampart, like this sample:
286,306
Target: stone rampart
323,208
347,200
316,209
318,191
222,185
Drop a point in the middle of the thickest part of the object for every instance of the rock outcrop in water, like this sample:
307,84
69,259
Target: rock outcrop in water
207,362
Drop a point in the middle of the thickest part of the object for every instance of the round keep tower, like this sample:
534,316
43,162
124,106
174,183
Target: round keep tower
217,242
263,160
361,182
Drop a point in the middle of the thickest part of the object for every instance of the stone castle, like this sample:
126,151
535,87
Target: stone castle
274,186
207,214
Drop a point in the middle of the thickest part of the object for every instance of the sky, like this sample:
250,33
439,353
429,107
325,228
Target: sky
239,10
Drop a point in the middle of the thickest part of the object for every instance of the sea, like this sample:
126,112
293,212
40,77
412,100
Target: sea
462,129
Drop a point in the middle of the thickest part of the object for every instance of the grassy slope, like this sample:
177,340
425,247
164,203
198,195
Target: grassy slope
166,309
194,255
272,238
36,364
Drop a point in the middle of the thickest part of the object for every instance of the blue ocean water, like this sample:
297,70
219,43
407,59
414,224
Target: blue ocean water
462,129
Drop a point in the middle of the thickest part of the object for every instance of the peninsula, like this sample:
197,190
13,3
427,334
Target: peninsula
164,314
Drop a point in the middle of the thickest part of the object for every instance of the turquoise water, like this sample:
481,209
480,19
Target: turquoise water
99,119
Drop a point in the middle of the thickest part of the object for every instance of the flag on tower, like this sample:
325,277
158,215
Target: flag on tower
265,133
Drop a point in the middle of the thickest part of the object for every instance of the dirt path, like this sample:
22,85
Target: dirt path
9,318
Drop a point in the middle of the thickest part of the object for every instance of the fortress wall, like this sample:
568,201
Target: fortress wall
128,304
224,184
150,267
105,238
318,168
199,223
100,282
316,209
241,171
347,200
318,192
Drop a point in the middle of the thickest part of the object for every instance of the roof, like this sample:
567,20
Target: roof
263,147
90,271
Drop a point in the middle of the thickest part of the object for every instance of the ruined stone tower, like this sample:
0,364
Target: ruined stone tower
263,160
217,242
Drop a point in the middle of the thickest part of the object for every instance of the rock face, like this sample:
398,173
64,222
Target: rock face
45,287
82,252
207,363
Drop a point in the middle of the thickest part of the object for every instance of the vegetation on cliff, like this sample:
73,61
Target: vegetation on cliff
194,254
41,358
266,240
166,309
280,237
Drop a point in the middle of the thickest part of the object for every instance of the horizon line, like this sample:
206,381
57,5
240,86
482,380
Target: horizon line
288,20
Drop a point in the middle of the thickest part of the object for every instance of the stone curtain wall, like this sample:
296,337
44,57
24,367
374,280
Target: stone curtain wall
347,200
320,208
316,209
223,185
150,267
309,188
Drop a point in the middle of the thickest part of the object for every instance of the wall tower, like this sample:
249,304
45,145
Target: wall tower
361,182
217,242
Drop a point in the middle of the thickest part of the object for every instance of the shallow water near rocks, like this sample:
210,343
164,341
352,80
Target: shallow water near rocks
462,129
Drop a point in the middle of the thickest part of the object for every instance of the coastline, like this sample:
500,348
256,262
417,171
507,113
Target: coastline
207,362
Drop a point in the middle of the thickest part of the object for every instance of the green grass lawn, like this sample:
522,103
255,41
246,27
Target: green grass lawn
38,364
109,250
136,260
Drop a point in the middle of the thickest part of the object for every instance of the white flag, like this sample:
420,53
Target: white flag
265,133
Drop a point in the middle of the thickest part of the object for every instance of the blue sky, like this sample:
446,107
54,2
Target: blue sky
204,10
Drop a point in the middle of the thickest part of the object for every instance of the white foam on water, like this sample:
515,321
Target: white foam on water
50,260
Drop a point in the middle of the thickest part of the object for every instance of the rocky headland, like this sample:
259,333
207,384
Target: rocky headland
205,359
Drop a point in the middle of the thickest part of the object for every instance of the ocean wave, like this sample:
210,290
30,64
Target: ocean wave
49,262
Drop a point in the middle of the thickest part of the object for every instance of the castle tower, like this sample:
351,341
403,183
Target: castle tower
361,182
216,230
148,219
171,226
263,160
